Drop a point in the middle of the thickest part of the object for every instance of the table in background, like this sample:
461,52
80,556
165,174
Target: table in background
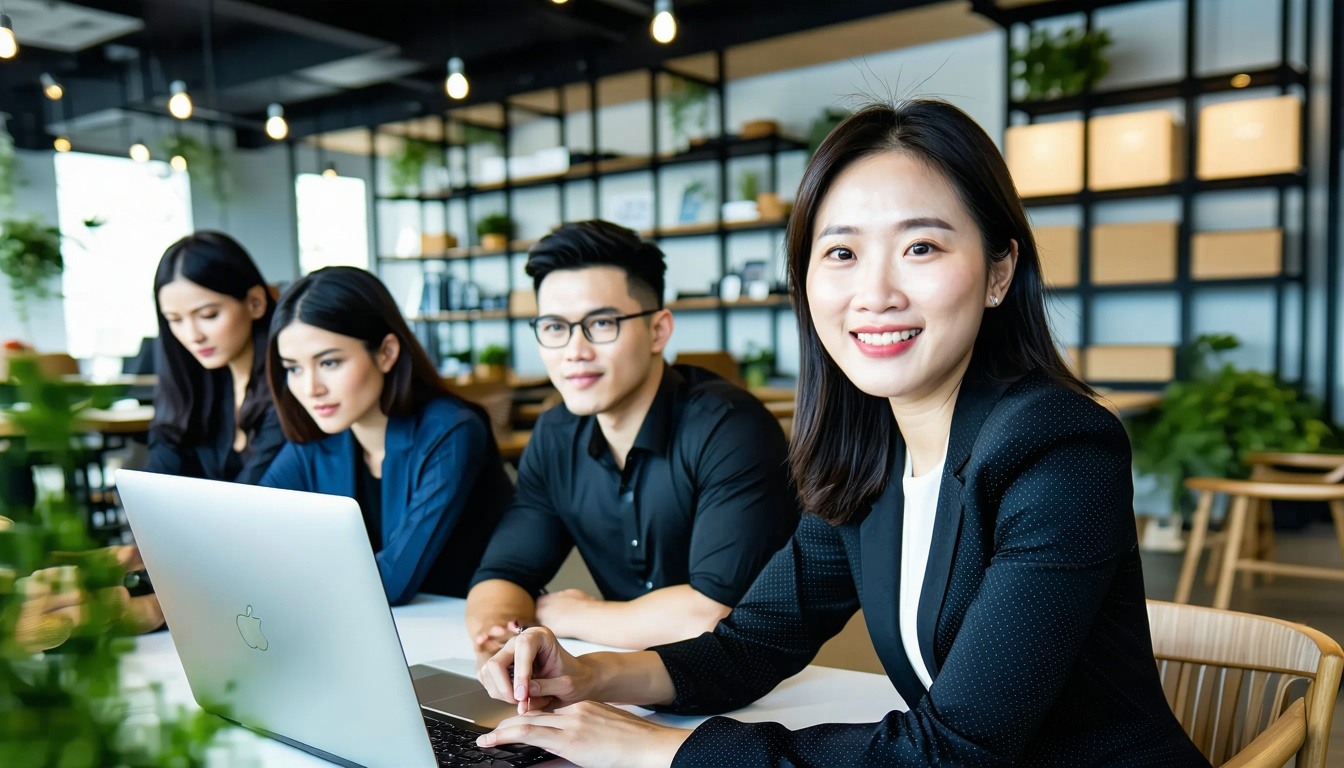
433,629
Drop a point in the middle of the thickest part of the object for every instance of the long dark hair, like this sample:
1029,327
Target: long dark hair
354,303
840,453
216,262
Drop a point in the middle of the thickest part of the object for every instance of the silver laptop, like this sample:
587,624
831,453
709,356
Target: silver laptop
277,610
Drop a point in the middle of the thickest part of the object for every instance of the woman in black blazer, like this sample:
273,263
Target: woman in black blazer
213,416
1011,583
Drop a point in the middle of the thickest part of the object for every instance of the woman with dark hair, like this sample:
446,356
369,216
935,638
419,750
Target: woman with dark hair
368,417
961,486
213,416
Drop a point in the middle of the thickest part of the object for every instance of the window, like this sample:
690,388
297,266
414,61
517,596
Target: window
333,222
117,217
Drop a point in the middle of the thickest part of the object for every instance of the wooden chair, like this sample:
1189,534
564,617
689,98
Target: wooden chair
719,362
1251,691
497,400
1245,497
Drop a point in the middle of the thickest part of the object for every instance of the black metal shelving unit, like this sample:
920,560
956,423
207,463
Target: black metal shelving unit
1283,76
595,169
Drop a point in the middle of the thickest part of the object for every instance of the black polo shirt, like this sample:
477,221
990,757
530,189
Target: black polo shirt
704,498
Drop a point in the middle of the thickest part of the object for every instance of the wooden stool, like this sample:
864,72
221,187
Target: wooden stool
1246,496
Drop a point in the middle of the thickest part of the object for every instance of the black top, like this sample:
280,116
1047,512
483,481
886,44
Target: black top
704,498
1031,615
369,494
213,457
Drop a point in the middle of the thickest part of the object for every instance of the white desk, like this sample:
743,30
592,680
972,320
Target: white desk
433,629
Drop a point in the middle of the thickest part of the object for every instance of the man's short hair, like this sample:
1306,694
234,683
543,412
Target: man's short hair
598,243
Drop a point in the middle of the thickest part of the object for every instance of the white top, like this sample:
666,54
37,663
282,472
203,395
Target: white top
921,504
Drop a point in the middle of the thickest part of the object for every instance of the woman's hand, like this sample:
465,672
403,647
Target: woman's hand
592,735
55,605
534,672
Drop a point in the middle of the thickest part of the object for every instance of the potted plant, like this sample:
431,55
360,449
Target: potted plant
9,177
65,700
495,231
406,171
758,365
204,160
744,208
688,109
492,363
30,257
1206,425
1053,65
822,126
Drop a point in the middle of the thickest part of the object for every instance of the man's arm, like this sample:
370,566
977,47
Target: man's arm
491,605
662,616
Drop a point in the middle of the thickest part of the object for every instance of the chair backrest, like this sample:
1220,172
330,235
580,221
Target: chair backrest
497,400
1233,680
719,362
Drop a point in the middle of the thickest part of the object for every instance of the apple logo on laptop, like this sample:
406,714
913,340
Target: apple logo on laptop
249,627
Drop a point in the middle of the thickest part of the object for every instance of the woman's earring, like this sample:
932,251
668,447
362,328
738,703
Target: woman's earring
994,301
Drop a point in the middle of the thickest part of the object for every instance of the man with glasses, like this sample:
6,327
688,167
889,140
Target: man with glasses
671,481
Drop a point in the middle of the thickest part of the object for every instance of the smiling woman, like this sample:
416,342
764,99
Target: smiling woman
369,418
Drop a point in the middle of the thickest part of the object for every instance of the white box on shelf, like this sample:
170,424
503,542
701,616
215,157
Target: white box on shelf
741,210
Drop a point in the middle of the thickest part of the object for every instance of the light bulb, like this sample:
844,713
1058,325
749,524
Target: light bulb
140,152
330,171
276,127
9,46
62,144
51,88
179,104
456,85
559,2
664,27
178,163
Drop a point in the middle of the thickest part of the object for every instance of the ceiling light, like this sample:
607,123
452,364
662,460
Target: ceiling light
456,85
178,163
51,88
140,152
559,2
330,171
9,47
62,144
276,127
664,27
179,104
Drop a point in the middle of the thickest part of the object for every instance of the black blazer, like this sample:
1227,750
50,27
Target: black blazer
210,458
1032,619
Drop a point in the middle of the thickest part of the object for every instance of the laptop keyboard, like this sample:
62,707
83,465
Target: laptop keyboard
455,747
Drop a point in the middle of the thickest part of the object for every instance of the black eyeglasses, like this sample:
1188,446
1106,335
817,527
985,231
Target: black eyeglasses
555,332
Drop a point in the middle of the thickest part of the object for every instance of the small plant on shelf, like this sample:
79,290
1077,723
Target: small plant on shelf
408,165
1206,425
688,109
495,231
748,185
1056,65
758,365
492,363
822,126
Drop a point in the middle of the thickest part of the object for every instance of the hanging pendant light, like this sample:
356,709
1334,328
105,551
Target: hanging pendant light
61,144
664,27
330,171
179,104
140,151
178,163
276,126
456,85
51,87
9,45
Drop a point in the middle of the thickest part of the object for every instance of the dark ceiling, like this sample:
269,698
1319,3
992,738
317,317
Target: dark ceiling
337,64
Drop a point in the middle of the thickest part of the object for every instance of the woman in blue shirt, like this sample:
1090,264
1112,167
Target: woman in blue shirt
368,417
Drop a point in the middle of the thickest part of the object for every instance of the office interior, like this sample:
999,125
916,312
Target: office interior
1183,189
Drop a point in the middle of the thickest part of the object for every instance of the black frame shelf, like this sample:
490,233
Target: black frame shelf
1280,75
1285,76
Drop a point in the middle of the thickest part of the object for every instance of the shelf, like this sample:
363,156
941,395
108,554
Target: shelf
709,303
1272,181
1169,89
1197,284
460,316
590,169
700,229
465,252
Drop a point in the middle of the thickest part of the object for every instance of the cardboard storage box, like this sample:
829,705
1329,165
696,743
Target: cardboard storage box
1135,149
436,244
1117,362
1238,253
1045,158
1250,137
1058,247
1134,253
